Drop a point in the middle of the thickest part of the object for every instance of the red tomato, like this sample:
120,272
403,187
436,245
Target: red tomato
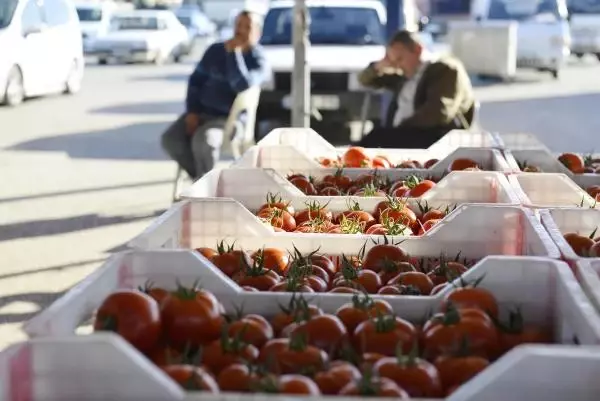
231,261
391,270
326,332
382,255
297,385
257,277
365,280
381,162
208,253
272,259
355,156
432,214
418,377
418,280
339,374
330,191
443,332
312,212
192,378
252,329
133,315
398,214
278,218
374,387
360,309
163,356
384,334
420,189
237,378
429,163
192,317
338,180
304,185
297,310
473,297
226,351
462,164
428,225
274,201
446,271
285,356
455,371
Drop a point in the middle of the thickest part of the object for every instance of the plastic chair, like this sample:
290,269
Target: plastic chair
245,102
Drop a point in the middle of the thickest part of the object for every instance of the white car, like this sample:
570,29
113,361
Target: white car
94,18
40,49
143,36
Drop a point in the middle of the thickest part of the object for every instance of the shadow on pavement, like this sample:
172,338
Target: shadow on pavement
130,142
41,299
51,268
143,108
562,123
41,228
168,77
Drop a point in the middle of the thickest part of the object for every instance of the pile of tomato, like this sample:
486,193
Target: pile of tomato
390,217
357,157
574,162
594,191
584,246
384,269
361,349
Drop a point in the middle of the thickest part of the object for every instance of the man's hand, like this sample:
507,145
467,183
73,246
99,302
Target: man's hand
236,43
387,62
192,121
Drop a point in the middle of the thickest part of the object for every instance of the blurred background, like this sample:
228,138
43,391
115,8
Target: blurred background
89,87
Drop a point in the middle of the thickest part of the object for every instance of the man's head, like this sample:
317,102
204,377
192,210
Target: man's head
404,51
248,26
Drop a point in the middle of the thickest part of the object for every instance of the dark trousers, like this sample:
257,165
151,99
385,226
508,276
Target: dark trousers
402,137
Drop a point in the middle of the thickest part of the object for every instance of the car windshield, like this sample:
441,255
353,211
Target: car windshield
584,6
7,9
135,23
328,25
89,14
185,20
450,7
521,10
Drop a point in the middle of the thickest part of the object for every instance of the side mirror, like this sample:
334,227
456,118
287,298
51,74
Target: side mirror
423,22
31,30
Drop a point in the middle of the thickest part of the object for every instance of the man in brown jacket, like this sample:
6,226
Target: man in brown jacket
431,95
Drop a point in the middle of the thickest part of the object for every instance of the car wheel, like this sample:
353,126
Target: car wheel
579,55
598,56
14,93
73,84
102,61
555,74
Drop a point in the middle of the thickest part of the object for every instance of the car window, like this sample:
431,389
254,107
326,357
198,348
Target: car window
134,23
7,10
89,14
56,12
32,16
328,25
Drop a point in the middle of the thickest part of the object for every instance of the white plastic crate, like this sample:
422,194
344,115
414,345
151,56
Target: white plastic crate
545,290
588,272
548,190
559,221
519,141
287,158
474,230
548,163
76,368
251,186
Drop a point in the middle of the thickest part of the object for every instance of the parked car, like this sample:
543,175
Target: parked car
196,22
143,36
41,49
94,19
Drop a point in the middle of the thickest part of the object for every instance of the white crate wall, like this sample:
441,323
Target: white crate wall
519,141
559,221
547,190
588,273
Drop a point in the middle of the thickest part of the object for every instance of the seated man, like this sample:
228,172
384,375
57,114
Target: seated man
431,95
226,69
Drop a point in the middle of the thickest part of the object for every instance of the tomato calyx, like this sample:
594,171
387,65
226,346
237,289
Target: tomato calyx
351,226
367,385
393,227
352,205
412,181
275,199
515,324
298,308
187,293
315,206
424,207
257,268
107,323
298,342
362,302
223,247
235,344
384,323
349,272
408,289
407,360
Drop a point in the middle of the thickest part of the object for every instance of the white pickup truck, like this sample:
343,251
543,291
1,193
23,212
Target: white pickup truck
345,36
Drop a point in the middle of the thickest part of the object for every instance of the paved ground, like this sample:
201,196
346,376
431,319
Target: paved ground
82,175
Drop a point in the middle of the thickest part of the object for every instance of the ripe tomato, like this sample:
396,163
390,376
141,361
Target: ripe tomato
339,374
462,164
420,189
292,284
414,279
237,378
192,317
159,294
278,218
382,255
432,214
292,355
446,271
573,162
133,315
417,376
370,190
360,309
231,261
330,191
383,334
408,164
365,280
252,329
257,277
297,310
428,225
398,289
163,356
581,244
326,332
595,250
429,163
192,378
313,211
438,288
298,385
274,201
473,297
225,351
365,219
374,387
381,162
304,185
208,253
355,156
516,332
273,259
455,371
338,180
398,213
444,331
391,270
316,283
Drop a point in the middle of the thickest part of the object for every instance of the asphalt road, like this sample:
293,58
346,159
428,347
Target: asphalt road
82,175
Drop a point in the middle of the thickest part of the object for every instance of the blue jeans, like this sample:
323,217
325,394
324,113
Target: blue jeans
197,154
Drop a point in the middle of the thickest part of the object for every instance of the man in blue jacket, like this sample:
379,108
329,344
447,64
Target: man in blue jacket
226,69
